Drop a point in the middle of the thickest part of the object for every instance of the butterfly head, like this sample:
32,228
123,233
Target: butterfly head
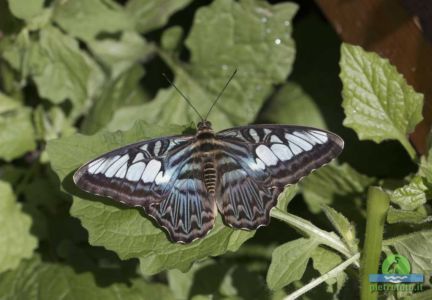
204,125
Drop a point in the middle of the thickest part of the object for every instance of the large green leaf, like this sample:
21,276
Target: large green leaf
126,230
7,103
41,280
120,55
60,69
218,280
15,239
378,103
323,261
86,19
149,15
289,262
417,216
410,196
343,226
416,247
24,9
323,186
118,92
16,133
225,35
292,105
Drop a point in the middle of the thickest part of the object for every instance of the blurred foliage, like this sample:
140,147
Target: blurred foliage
73,73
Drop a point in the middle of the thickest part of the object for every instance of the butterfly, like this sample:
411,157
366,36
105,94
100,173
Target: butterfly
182,181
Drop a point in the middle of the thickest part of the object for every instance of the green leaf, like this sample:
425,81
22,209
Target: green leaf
24,9
118,92
16,133
410,196
416,247
323,261
60,69
286,196
51,124
417,216
40,280
15,238
121,54
322,186
171,38
61,61
425,169
218,280
86,19
378,103
149,15
7,103
126,230
244,284
343,226
289,262
224,37
291,105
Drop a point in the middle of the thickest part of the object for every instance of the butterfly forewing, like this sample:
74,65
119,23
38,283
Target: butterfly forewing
161,177
259,161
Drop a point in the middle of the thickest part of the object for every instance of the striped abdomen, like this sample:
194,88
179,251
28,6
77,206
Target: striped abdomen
206,146
209,175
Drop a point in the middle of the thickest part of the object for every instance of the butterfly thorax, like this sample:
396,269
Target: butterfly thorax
206,145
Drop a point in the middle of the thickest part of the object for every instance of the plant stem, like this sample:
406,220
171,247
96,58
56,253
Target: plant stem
330,274
408,147
377,206
326,238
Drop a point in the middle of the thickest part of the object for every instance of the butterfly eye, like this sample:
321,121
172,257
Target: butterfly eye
204,125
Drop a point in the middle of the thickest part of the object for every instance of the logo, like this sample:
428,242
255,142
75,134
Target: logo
396,274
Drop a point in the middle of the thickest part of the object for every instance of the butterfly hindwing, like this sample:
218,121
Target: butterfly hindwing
259,161
152,175
187,211
244,196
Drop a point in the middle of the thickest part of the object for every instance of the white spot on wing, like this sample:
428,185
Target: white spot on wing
138,157
157,147
151,171
322,136
254,135
305,137
266,131
134,172
295,149
282,152
144,147
93,166
313,138
122,172
298,141
162,177
275,139
257,165
106,164
116,166
233,175
266,155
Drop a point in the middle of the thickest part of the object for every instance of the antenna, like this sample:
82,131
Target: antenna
184,97
221,92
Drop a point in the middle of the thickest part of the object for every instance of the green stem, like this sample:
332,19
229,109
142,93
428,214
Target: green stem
327,238
408,147
377,206
330,274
